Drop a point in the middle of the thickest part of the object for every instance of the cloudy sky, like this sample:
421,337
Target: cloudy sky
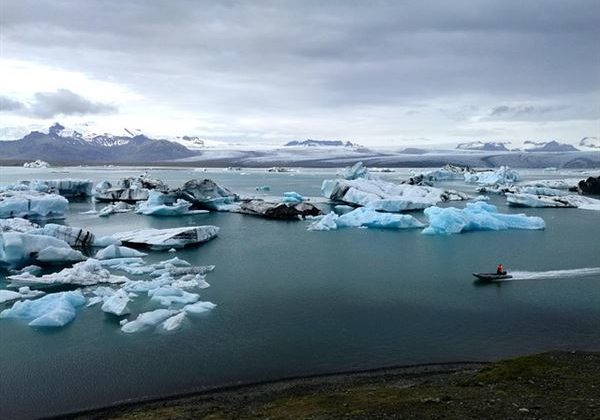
377,72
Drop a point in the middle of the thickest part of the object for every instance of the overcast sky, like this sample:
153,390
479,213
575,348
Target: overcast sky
377,72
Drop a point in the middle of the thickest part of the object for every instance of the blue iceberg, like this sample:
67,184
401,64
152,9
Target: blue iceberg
54,310
292,197
366,217
476,216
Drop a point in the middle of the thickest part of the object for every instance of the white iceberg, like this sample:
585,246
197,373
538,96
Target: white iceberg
117,303
385,196
23,293
476,216
169,295
18,249
173,323
169,238
16,224
32,204
85,273
572,201
542,191
36,164
113,251
53,310
146,320
366,217
199,307
65,187
120,207
557,184
357,171
446,173
502,175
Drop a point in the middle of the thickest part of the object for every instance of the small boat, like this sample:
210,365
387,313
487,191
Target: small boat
492,276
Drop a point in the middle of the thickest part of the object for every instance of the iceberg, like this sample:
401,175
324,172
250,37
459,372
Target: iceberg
86,273
16,224
356,171
36,164
160,204
169,238
476,216
572,201
23,293
273,210
120,207
342,209
116,304
502,175
146,320
263,188
169,295
206,194
542,191
18,249
366,217
32,204
113,251
446,173
385,196
557,184
75,237
292,197
65,187
173,323
53,310
199,307
128,189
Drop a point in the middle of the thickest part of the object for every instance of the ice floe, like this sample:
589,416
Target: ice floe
116,304
114,251
206,194
119,207
502,175
292,197
128,189
36,164
366,217
85,273
476,216
169,238
18,249
533,200
160,204
275,210
23,293
53,310
147,320
17,224
32,205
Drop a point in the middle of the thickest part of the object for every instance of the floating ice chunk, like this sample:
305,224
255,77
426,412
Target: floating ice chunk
160,204
173,323
31,269
53,310
32,205
169,238
383,195
128,189
558,184
358,170
263,188
476,216
168,295
105,241
327,222
18,249
120,207
16,224
542,191
76,237
207,194
292,197
172,250
23,293
482,198
277,210
117,303
147,320
366,217
573,201
36,164
64,187
113,251
502,175
85,273
199,307
447,173
94,301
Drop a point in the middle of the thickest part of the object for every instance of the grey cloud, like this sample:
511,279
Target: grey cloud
65,102
8,104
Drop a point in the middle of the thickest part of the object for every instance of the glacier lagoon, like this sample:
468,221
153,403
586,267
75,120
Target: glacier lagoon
297,302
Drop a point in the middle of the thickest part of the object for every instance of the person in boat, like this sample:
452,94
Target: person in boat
500,270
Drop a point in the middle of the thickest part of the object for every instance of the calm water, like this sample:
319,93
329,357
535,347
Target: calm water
294,302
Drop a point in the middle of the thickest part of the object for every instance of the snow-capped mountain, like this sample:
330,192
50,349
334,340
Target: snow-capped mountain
592,142
548,146
491,146
61,144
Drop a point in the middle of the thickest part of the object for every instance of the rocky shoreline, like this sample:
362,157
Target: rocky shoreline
552,385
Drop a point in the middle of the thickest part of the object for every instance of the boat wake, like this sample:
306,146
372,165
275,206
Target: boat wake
553,274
